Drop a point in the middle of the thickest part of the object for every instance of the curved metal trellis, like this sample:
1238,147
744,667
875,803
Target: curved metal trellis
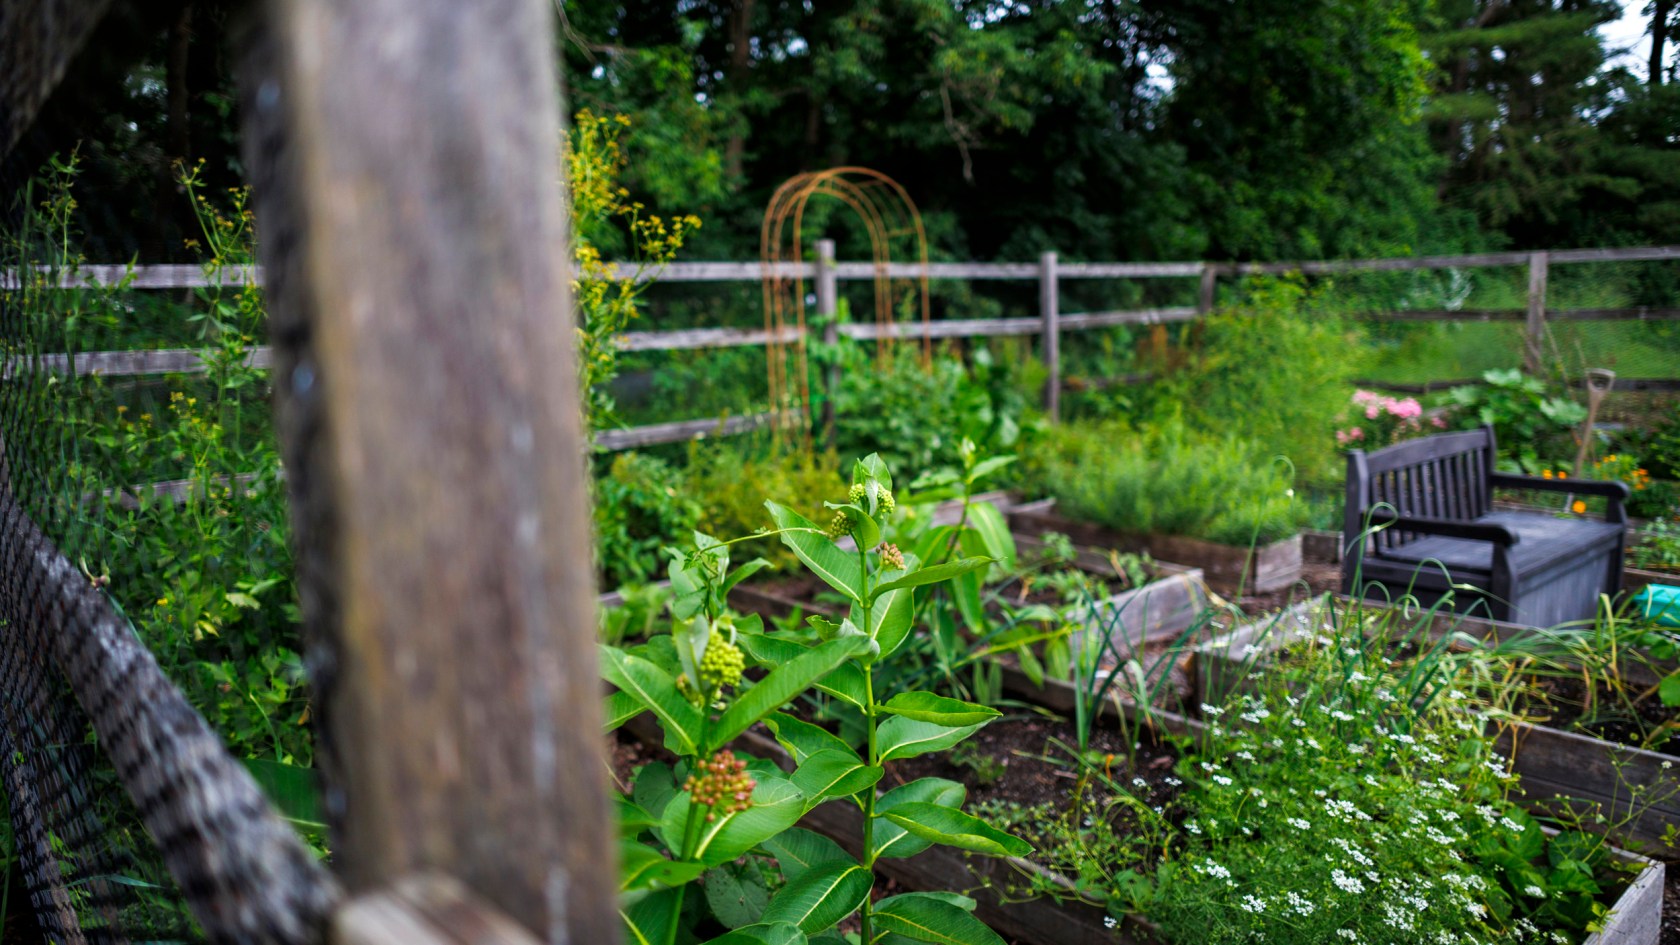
887,213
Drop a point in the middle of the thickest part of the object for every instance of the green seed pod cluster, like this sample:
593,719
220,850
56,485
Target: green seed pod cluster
721,667
721,782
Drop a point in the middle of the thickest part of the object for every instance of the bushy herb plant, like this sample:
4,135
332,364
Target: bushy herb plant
1167,480
686,821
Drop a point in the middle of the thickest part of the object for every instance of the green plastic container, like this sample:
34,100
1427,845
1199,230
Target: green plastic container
1659,603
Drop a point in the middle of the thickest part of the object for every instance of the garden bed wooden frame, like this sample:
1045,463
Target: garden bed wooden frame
1227,568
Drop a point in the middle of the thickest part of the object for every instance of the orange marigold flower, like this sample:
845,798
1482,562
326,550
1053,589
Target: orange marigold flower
1579,508
1562,474
1545,474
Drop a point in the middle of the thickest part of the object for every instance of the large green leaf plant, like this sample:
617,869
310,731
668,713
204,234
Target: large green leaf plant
686,825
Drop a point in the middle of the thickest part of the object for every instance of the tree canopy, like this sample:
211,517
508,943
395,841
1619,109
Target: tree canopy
1104,129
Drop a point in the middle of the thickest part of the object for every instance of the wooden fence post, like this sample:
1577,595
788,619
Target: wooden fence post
1535,334
828,306
404,162
1209,283
1049,310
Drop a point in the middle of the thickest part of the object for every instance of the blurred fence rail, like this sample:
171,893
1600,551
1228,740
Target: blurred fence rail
1047,324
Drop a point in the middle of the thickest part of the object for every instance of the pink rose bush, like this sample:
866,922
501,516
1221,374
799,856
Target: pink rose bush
1376,420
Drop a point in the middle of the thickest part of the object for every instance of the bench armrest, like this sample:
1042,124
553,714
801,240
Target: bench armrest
1609,488
1475,531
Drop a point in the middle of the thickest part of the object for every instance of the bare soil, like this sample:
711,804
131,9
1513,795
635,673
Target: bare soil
1631,718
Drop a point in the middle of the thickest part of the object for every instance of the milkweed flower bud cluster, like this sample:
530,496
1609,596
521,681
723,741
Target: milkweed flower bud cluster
859,493
721,782
838,525
720,667
891,556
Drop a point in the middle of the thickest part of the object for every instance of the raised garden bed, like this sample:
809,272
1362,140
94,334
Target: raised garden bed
1550,762
1227,568
1635,918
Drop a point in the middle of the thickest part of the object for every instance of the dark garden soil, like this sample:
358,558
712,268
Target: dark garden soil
1035,590
626,753
1645,723
1317,577
1031,769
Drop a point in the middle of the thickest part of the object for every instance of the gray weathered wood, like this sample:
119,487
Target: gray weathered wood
430,909
945,328
1534,332
38,38
1049,309
1616,254
690,338
1139,316
828,310
1125,270
681,431
948,270
126,363
1206,289
402,155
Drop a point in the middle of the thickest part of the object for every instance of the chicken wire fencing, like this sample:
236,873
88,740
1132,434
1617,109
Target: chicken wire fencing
144,585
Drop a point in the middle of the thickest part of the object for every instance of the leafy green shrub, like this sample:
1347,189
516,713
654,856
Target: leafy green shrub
1531,425
1658,546
1167,480
641,505
1278,367
916,415
733,478
1663,450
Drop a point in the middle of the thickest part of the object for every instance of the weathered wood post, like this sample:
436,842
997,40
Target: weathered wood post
828,306
1205,291
404,158
1534,334
1049,310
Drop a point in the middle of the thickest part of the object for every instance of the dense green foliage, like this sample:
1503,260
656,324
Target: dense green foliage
1136,130
1167,480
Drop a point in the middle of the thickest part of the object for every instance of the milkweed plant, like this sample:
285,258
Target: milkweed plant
714,675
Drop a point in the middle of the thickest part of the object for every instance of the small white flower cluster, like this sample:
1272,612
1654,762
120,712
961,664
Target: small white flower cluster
1346,883
1210,868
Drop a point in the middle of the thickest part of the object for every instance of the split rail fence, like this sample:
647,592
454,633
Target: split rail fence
825,274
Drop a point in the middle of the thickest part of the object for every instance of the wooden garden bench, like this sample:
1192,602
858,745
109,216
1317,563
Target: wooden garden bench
1420,519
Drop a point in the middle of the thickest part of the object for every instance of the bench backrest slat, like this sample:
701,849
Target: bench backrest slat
1441,476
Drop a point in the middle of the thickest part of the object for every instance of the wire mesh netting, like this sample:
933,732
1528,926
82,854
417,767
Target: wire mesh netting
145,587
